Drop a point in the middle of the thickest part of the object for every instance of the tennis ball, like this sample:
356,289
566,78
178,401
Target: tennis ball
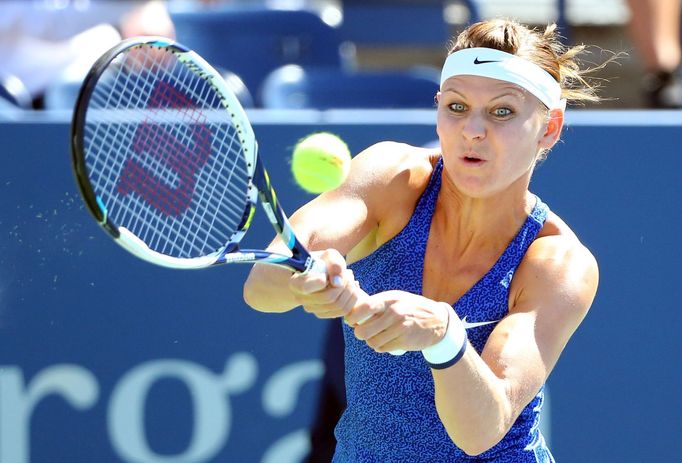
320,162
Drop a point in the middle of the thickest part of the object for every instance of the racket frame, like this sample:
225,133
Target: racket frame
259,185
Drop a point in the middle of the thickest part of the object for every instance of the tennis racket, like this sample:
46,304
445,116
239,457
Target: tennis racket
167,161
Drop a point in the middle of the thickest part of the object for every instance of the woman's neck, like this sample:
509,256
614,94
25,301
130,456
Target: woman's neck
483,222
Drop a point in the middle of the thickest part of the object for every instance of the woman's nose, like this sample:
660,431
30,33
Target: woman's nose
474,127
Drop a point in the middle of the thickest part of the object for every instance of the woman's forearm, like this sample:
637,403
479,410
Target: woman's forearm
267,289
473,404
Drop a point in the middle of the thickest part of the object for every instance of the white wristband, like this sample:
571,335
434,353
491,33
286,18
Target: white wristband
450,349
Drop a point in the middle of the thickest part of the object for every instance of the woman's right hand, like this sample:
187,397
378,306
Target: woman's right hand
326,295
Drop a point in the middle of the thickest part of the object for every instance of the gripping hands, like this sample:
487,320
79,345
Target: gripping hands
391,321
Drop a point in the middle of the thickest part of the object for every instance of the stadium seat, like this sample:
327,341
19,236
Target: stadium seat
252,42
238,87
400,22
297,87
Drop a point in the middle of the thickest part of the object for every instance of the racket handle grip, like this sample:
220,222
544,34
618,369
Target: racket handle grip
317,266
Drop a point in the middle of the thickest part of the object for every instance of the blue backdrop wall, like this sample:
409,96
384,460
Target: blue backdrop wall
106,358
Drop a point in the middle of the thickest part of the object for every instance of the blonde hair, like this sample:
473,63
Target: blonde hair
543,49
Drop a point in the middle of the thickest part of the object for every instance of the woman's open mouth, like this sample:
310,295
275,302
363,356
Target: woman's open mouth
472,160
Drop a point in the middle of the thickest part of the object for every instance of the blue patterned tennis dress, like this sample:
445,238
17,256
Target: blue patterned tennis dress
391,415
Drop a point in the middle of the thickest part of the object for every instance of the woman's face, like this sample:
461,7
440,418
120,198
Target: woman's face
491,133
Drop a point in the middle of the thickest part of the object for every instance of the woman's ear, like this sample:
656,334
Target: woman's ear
555,124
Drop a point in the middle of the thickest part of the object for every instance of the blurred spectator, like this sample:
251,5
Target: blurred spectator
655,31
43,40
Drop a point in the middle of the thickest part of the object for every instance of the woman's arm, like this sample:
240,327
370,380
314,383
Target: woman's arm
350,219
480,397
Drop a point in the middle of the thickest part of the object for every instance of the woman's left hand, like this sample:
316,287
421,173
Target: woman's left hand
398,320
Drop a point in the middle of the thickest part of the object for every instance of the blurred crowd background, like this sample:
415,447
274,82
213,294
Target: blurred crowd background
315,53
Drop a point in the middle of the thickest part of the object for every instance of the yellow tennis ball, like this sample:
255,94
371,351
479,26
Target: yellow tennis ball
320,162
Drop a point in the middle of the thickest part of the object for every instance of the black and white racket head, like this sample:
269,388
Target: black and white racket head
164,154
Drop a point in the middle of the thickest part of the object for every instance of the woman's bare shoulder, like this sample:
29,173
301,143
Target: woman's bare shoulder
558,259
394,168
390,178
556,239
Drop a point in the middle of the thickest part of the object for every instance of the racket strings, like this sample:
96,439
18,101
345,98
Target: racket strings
164,155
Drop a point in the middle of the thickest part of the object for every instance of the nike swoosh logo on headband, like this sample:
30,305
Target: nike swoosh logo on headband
477,61
468,325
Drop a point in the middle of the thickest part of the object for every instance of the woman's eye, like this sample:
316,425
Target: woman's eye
502,112
457,107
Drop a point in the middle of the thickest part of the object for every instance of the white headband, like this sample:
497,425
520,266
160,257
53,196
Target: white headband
496,64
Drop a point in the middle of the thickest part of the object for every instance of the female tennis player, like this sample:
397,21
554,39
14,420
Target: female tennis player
465,268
